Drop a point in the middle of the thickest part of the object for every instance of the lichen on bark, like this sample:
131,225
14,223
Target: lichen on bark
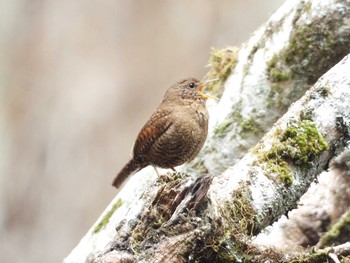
179,222
297,145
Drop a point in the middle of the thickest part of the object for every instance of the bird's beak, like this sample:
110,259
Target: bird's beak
201,87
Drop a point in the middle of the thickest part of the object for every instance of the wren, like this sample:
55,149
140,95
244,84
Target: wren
175,133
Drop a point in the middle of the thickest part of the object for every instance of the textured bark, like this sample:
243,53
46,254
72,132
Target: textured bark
299,43
319,208
212,218
183,217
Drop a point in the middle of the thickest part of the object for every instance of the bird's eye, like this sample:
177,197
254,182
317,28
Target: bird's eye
191,85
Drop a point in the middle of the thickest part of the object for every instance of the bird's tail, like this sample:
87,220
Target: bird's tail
130,168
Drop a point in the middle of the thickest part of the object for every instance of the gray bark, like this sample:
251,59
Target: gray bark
299,43
318,212
212,217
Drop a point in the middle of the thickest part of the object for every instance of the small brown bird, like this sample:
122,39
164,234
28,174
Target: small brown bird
175,133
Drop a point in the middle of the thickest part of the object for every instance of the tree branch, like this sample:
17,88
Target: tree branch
181,218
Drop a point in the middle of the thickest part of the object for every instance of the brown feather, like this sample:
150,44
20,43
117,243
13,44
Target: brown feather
174,134
130,168
150,133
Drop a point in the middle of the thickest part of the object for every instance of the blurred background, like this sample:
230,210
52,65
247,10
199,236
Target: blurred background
78,79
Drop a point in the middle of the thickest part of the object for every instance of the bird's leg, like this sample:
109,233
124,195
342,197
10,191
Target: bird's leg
155,168
172,168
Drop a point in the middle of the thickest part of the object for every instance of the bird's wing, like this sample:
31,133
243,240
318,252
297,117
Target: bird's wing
158,124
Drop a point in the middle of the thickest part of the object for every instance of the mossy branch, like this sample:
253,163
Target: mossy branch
211,218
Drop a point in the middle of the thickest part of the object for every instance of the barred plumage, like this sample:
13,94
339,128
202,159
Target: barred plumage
174,134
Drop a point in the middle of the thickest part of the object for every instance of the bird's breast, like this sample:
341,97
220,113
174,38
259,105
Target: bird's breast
192,125
184,138
202,118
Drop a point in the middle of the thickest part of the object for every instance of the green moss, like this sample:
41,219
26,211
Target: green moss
325,91
241,210
230,234
302,142
312,257
275,72
272,62
279,100
221,130
221,63
300,55
246,125
171,177
276,75
303,57
339,233
313,47
306,115
252,53
232,228
235,117
299,143
104,221
250,125
153,219
280,167
199,165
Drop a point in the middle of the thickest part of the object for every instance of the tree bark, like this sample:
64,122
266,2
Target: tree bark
210,211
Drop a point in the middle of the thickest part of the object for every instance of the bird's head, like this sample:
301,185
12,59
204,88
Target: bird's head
189,89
